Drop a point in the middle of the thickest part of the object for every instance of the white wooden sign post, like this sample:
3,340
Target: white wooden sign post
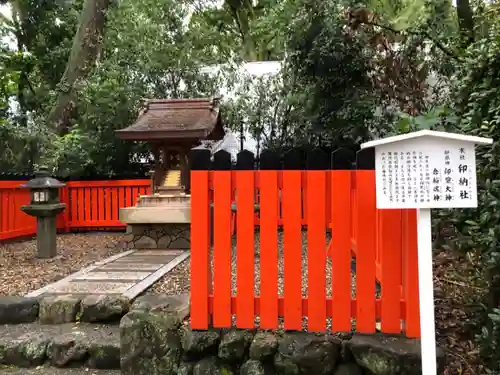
423,170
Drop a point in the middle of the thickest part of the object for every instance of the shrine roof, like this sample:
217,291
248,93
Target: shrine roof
176,119
428,133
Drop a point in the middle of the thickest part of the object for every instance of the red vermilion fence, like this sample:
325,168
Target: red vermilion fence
13,222
96,204
383,241
90,204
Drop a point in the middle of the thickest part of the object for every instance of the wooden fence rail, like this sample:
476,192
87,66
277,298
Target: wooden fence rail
90,204
323,198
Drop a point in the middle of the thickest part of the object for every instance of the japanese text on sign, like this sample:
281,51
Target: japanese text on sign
426,176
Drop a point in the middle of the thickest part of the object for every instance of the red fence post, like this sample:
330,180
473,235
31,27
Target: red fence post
200,278
65,214
269,220
390,241
366,241
342,213
292,230
245,299
410,269
222,240
315,217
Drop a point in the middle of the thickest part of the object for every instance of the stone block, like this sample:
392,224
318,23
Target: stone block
252,367
145,242
207,366
348,369
185,368
16,310
104,355
175,306
65,350
162,236
103,308
177,236
199,343
25,352
113,275
390,355
149,344
234,345
263,346
102,287
59,309
126,267
304,353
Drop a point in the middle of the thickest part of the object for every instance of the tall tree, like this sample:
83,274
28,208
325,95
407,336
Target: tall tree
465,16
37,32
84,54
35,42
250,30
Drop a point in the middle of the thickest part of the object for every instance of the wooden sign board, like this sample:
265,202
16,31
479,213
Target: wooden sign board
426,173
424,170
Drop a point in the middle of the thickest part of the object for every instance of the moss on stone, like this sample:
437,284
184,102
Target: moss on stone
150,344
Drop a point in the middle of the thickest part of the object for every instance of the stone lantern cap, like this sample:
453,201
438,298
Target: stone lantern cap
43,180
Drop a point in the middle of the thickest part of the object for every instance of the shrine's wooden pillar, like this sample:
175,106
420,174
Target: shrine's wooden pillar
184,166
157,168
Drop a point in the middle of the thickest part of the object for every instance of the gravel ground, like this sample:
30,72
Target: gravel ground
177,281
22,272
174,282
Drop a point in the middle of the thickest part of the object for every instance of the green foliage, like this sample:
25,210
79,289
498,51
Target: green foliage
324,95
35,44
241,29
328,73
401,14
260,108
439,118
352,71
147,53
477,92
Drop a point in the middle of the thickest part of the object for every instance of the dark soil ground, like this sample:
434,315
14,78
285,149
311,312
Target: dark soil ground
457,293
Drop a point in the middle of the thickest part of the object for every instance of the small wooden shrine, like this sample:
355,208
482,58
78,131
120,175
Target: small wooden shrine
173,127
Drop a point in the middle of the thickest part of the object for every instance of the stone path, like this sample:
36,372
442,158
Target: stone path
127,274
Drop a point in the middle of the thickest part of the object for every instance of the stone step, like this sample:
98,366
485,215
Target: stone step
94,346
47,370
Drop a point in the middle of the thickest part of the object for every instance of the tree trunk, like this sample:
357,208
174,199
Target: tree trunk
18,20
243,13
85,52
465,22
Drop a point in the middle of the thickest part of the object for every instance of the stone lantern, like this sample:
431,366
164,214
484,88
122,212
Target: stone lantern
45,206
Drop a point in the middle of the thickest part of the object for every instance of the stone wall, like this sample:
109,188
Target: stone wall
154,338
159,341
158,236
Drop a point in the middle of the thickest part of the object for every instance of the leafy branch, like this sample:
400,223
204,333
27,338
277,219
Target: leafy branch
362,16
